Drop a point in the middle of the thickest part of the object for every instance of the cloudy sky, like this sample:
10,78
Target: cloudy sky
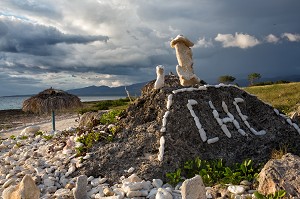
73,43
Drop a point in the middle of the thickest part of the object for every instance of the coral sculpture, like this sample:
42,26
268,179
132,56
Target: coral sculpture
160,79
184,55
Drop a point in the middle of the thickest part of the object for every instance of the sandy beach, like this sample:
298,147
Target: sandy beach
20,121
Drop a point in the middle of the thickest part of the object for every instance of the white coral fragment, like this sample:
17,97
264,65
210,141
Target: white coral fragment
198,124
212,140
192,102
224,106
220,122
160,79
284,116
289,121
242,132
169,102
247,124
163,129
211,105
230,115
227,119
164,121
243,117
276,111
226,131
215,113
202,134
202,88
238,109
238,100
236,124
161,148
253,131
196,119
262,132
295,126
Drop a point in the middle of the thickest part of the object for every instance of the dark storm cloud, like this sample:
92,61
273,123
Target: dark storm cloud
19,36
47,39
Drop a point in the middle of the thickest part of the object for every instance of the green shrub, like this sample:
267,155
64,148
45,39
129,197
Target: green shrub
215,172
89,139
48,137
110,117
174,178
93,137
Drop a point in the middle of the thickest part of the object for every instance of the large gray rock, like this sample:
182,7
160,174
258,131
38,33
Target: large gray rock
80,191
26,189
141,125
279,174
193,188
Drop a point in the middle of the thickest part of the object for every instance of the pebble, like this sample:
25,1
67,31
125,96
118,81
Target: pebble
236,189
8,182
157,183
163,194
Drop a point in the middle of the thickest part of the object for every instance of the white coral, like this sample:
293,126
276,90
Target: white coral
160,79
161,149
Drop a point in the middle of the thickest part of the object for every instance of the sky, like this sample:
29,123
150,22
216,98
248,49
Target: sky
67,44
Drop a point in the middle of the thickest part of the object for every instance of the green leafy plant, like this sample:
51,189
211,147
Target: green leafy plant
13,137
216,172
174,178
89,139
38,133
276,195
80,150
110,117
48,137
24,137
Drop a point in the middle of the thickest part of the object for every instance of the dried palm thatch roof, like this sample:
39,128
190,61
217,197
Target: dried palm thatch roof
50,100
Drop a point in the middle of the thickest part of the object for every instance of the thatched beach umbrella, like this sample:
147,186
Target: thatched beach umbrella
51,100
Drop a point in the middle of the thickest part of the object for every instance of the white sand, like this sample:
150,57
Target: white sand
60,124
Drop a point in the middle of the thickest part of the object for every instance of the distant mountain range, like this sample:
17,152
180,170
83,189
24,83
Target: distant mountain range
134,90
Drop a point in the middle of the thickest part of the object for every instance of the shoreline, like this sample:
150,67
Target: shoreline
13,121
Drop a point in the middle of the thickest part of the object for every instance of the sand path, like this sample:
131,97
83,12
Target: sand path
60,124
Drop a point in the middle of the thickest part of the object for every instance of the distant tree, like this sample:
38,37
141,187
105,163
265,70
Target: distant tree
226,79
253,76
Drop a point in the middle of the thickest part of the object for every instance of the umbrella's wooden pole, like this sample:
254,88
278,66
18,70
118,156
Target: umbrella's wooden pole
53,120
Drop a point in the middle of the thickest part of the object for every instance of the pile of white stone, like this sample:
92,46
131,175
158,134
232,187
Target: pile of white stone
40,167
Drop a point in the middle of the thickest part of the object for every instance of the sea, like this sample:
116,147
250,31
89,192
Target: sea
15,102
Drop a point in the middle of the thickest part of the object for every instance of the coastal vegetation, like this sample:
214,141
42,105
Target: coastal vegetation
284,97
253,77
226,79
215,172
104,105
